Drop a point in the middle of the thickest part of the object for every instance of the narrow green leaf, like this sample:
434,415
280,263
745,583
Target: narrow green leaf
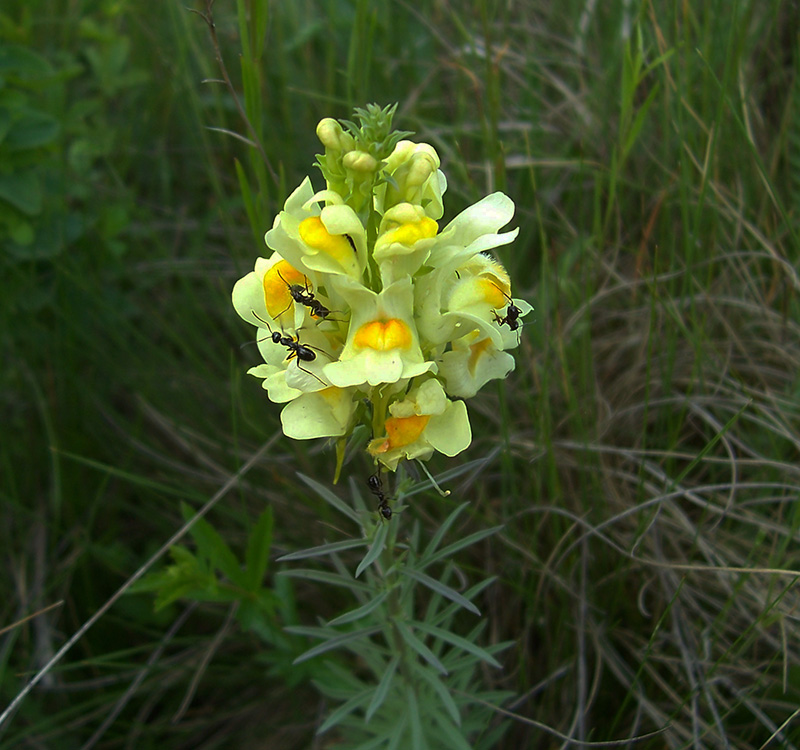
382,690
441,690
357,614
442,530
324,549
260,21
322,576
451,549
386,740
458,642
329,497
418,646
638,122
247,195
344,710
377,546
440,588
446,615
453,738
334,643
477,465
258,547
417,735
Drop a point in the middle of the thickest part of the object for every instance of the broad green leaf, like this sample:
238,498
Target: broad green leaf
418,646
22,62
23,190
441,588
258,547
32,130
211,545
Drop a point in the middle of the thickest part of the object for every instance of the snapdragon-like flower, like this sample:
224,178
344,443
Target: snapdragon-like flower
367,312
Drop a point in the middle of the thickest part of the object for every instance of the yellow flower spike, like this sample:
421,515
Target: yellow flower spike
316,236
276,287
382,336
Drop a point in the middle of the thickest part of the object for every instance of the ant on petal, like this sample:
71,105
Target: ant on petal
297,351
304,296
511,318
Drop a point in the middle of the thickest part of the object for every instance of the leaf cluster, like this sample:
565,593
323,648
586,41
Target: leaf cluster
411,637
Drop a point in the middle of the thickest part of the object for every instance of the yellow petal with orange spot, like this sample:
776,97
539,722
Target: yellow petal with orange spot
383,335
276,287
402,431
315,235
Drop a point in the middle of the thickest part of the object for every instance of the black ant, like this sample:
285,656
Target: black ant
297,351
376,488
305,297
511,318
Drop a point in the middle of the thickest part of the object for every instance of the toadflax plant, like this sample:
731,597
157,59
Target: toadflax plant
367,312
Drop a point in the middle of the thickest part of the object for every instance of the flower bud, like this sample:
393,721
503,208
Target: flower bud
359,161
332,136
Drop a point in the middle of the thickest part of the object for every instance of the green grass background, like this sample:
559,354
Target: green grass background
648,438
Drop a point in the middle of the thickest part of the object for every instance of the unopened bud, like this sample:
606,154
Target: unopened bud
332,136
360,161
422,167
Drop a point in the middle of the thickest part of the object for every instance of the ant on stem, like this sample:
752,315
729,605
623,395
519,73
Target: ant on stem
297,351
376,488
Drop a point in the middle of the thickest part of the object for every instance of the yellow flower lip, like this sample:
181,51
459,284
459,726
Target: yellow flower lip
411,232
492,293
276,283
401,431
383,335
476,351
316,236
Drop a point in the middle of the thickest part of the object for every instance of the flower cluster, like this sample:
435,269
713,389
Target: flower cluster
368,312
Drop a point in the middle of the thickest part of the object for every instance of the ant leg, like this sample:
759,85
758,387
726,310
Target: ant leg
308,372
257,316
293,356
